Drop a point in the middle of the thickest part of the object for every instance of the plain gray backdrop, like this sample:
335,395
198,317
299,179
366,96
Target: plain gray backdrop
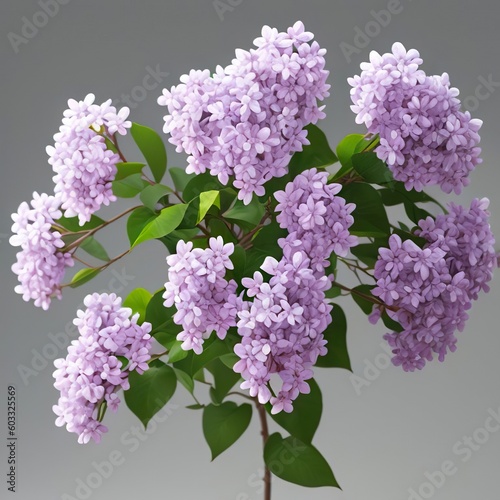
382,435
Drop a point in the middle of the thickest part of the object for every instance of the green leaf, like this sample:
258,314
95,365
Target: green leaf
406,234
127,169
317,154
191,214
73,225
180,178
224,379
137,221
110,145
223,425
82,276
153,149
94,248
164,338
150,391
366,253
226,198
332,267
218,228
161,317
303,421
171,240
150,195
265,243
168,220
213,348
397,194
138,301
239,259
370,217
175,351
272,186
229,359
365,305
371,168
207,199
251,213
393,325
199,184
195,407
336,335
333,292
129,186
185,380
414,213
297,462
347,147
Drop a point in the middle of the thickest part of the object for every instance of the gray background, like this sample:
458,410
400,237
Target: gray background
381,441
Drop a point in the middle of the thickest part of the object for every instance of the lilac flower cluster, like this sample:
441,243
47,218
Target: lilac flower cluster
204,299
247,119
466,237
428,290
282,329
424,137
316,218
40,264
83,164
92,373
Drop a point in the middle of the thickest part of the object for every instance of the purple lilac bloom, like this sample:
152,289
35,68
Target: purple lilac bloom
40,264
91,373
316,218
424,137
429,290
83,164
248,119
282,329
466,237
204,299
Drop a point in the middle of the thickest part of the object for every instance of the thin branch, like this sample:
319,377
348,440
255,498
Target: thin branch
235,393
369,298
90,232
114,140
265,435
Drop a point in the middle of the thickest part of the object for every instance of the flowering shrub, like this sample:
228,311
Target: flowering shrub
258,228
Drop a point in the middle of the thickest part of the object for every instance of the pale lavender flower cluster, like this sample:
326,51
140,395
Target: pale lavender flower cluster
282,329
40,264
317,220
83,164
424,137
466,237
91,373
204,299
429,290
248,119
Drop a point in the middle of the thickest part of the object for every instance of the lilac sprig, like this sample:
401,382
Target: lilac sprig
41,263
204,299
282,329
433,287
92,372
425,138
317,219
247,120
80,158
